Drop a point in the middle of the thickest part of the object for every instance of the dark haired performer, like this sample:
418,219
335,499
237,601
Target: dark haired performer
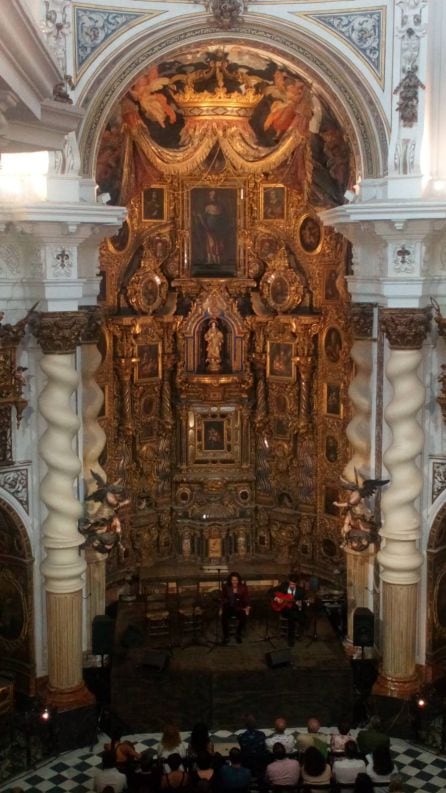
289,599
234,603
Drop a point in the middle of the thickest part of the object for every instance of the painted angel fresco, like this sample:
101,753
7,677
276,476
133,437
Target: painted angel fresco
359,529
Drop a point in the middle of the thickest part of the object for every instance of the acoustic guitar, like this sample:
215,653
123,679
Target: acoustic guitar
283,600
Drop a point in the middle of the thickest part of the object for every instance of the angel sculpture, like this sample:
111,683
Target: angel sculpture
102,531
359,528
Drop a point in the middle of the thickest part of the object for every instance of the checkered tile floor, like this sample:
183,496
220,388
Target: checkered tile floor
74,771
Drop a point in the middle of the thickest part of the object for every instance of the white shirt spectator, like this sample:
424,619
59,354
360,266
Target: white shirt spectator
110,776
345,771
283,772
288,742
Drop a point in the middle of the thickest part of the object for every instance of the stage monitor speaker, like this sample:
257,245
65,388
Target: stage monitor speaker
363,628
278,658
155,660
103,629
132,637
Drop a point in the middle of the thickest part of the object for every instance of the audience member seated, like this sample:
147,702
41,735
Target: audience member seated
346,769
339,739
123,751
313,737
315,770
363,784
380,767
203,777
109,775
283,771
199,741
177,777
171,743
233,776
372,737
253,747
280,735
148,778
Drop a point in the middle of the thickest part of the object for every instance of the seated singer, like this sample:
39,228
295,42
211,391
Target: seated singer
289,599
234,603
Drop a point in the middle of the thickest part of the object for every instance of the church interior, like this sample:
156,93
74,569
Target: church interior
222,351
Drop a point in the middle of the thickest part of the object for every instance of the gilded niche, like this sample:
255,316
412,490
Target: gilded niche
226,355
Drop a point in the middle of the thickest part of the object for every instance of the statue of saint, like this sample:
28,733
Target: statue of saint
214,341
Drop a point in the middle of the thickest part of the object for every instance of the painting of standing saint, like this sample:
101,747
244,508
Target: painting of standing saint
214,232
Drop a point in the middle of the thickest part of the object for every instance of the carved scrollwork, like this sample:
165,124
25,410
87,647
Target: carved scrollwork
281,287
406,328
58,332
147,289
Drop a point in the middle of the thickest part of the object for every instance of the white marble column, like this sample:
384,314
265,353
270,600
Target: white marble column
93,444
399,557
63,567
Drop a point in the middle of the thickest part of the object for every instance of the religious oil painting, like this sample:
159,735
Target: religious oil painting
148,430
149,362
331,449
273,203
331,291
280,364
333,405
333,345
213,224
331,495
281,428
154,204
310,234
214,435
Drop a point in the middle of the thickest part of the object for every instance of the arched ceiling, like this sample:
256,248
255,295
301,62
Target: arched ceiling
335,82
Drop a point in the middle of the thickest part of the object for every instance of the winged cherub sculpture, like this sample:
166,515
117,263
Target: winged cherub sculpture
359,529
102,529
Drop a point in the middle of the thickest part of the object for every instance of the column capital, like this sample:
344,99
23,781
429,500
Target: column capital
406,328
361,320
58,332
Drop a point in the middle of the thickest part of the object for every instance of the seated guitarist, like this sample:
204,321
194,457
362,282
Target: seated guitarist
289,599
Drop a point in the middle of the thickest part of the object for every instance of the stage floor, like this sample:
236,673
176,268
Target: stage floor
218,684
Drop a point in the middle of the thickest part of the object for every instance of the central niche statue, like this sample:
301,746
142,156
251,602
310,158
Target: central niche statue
214,341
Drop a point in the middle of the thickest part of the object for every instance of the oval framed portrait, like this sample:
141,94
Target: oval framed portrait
147,291
310,234
333,344
282,289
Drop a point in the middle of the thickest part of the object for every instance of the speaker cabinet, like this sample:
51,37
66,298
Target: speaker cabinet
155,660
363,628
278,658
103,629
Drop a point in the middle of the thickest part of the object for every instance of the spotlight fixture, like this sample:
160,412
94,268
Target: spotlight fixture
421,702
45,714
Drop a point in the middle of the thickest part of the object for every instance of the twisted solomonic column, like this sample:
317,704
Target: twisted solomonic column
94,440
358,433
399,557
58,335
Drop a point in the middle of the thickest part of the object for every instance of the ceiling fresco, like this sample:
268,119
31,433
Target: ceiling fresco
233,110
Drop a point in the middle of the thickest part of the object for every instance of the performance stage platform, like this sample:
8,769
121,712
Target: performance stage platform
218,684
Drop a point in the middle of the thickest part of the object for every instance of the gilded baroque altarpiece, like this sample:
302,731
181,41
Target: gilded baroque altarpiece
225,345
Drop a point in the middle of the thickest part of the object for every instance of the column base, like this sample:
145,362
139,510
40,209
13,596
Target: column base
401,688
69,698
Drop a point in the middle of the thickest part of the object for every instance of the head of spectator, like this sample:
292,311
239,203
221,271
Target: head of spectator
314,762
396,784
313,725
375,723
203,761
235,756
170,736
280,725
199,738
146,761
279,752
363,784
344,727
174,761
382,761
351,750
250,723
108,759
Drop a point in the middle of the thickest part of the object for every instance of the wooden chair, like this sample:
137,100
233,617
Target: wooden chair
158,617
190,611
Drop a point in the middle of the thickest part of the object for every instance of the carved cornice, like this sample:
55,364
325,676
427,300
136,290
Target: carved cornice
361,320
95,320
58,332
406,328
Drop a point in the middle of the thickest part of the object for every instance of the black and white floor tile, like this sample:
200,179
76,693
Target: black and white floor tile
74,771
